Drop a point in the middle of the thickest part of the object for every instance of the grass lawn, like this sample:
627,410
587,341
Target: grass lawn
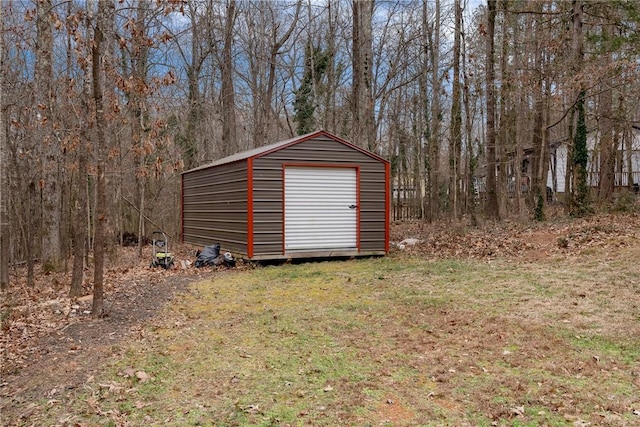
393,341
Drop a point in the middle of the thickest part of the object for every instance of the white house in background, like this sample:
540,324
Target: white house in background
627,166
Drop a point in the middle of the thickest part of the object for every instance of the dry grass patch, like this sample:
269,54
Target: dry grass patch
397,341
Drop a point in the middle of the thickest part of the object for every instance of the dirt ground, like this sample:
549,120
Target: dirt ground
64,358
50,344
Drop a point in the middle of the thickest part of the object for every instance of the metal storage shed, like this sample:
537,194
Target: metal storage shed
315,195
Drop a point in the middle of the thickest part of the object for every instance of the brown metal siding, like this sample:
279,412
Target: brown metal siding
215,206
267,207
372,206
268,187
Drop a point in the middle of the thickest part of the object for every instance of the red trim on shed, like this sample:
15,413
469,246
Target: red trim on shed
315,135
335,166
387,213
182,208
358,207
250,207
284,206
318,165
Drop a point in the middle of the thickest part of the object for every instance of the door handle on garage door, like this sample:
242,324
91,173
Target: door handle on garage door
353,207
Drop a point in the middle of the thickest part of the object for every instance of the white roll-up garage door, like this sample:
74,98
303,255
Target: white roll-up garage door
320,208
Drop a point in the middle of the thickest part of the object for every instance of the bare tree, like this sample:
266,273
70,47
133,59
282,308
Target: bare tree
194,45
362,68
455,141
47,145
227,93
579,205
608,145
266,31
538,141
80,227
330,106
4,181
504,122
469,116
104,20
608,142
137,92
432,51
515,119
492,191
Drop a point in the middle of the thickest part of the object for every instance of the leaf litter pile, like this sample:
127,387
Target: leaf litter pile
516,240
507,324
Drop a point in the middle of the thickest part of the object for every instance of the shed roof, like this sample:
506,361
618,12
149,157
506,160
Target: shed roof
261,151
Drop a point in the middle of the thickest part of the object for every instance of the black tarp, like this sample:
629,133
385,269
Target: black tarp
210,255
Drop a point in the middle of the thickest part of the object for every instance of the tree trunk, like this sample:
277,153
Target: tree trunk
265,112
137,105
537,142
492,194
580,159
102,22
624,143
580,200
32,211
141,230
189,145
518,120
433,50
362,95
47,144
80,225
329,121
471,166
504,146
627,147
229,138
608,147
569,182
546,135
4,173
455,141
